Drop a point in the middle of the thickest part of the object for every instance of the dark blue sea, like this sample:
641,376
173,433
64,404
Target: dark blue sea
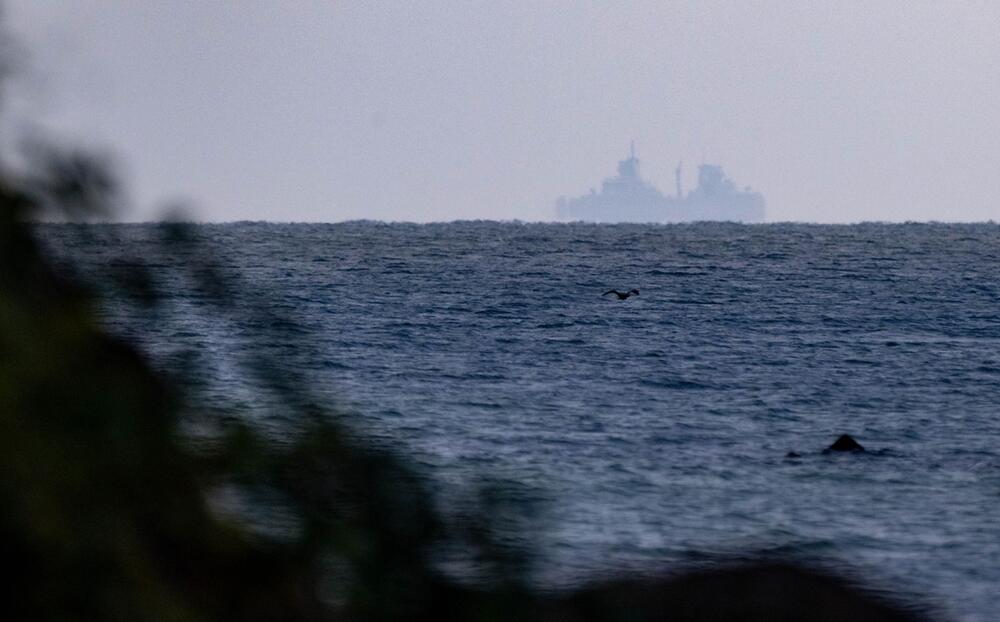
649,433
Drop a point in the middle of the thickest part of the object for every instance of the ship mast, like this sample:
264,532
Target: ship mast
629,169
677,178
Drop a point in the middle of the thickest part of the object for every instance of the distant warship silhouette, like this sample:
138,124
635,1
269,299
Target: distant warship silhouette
628,198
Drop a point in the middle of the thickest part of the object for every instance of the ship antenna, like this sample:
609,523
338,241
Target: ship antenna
631,150
677,176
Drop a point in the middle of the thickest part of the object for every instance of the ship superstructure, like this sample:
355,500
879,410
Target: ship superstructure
626,197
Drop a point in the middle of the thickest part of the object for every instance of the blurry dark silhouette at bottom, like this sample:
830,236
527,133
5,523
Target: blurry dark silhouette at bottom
765,591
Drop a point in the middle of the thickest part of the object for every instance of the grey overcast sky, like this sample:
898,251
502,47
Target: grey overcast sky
837,111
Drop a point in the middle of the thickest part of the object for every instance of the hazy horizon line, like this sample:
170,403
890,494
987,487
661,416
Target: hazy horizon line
514,221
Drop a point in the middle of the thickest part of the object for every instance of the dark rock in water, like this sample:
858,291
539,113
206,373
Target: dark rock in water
845,443
793,454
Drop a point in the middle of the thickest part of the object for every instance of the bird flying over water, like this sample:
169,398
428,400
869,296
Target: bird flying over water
622,295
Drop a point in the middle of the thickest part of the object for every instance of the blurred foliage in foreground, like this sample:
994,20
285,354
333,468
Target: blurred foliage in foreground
106,504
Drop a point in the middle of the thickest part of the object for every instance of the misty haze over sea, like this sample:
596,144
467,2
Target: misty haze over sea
436,111
646,432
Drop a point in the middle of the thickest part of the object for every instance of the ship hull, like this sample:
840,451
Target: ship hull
745,208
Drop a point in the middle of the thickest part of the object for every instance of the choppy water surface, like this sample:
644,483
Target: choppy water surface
653,430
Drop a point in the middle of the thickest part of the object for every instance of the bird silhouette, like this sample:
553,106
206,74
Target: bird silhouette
622,295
